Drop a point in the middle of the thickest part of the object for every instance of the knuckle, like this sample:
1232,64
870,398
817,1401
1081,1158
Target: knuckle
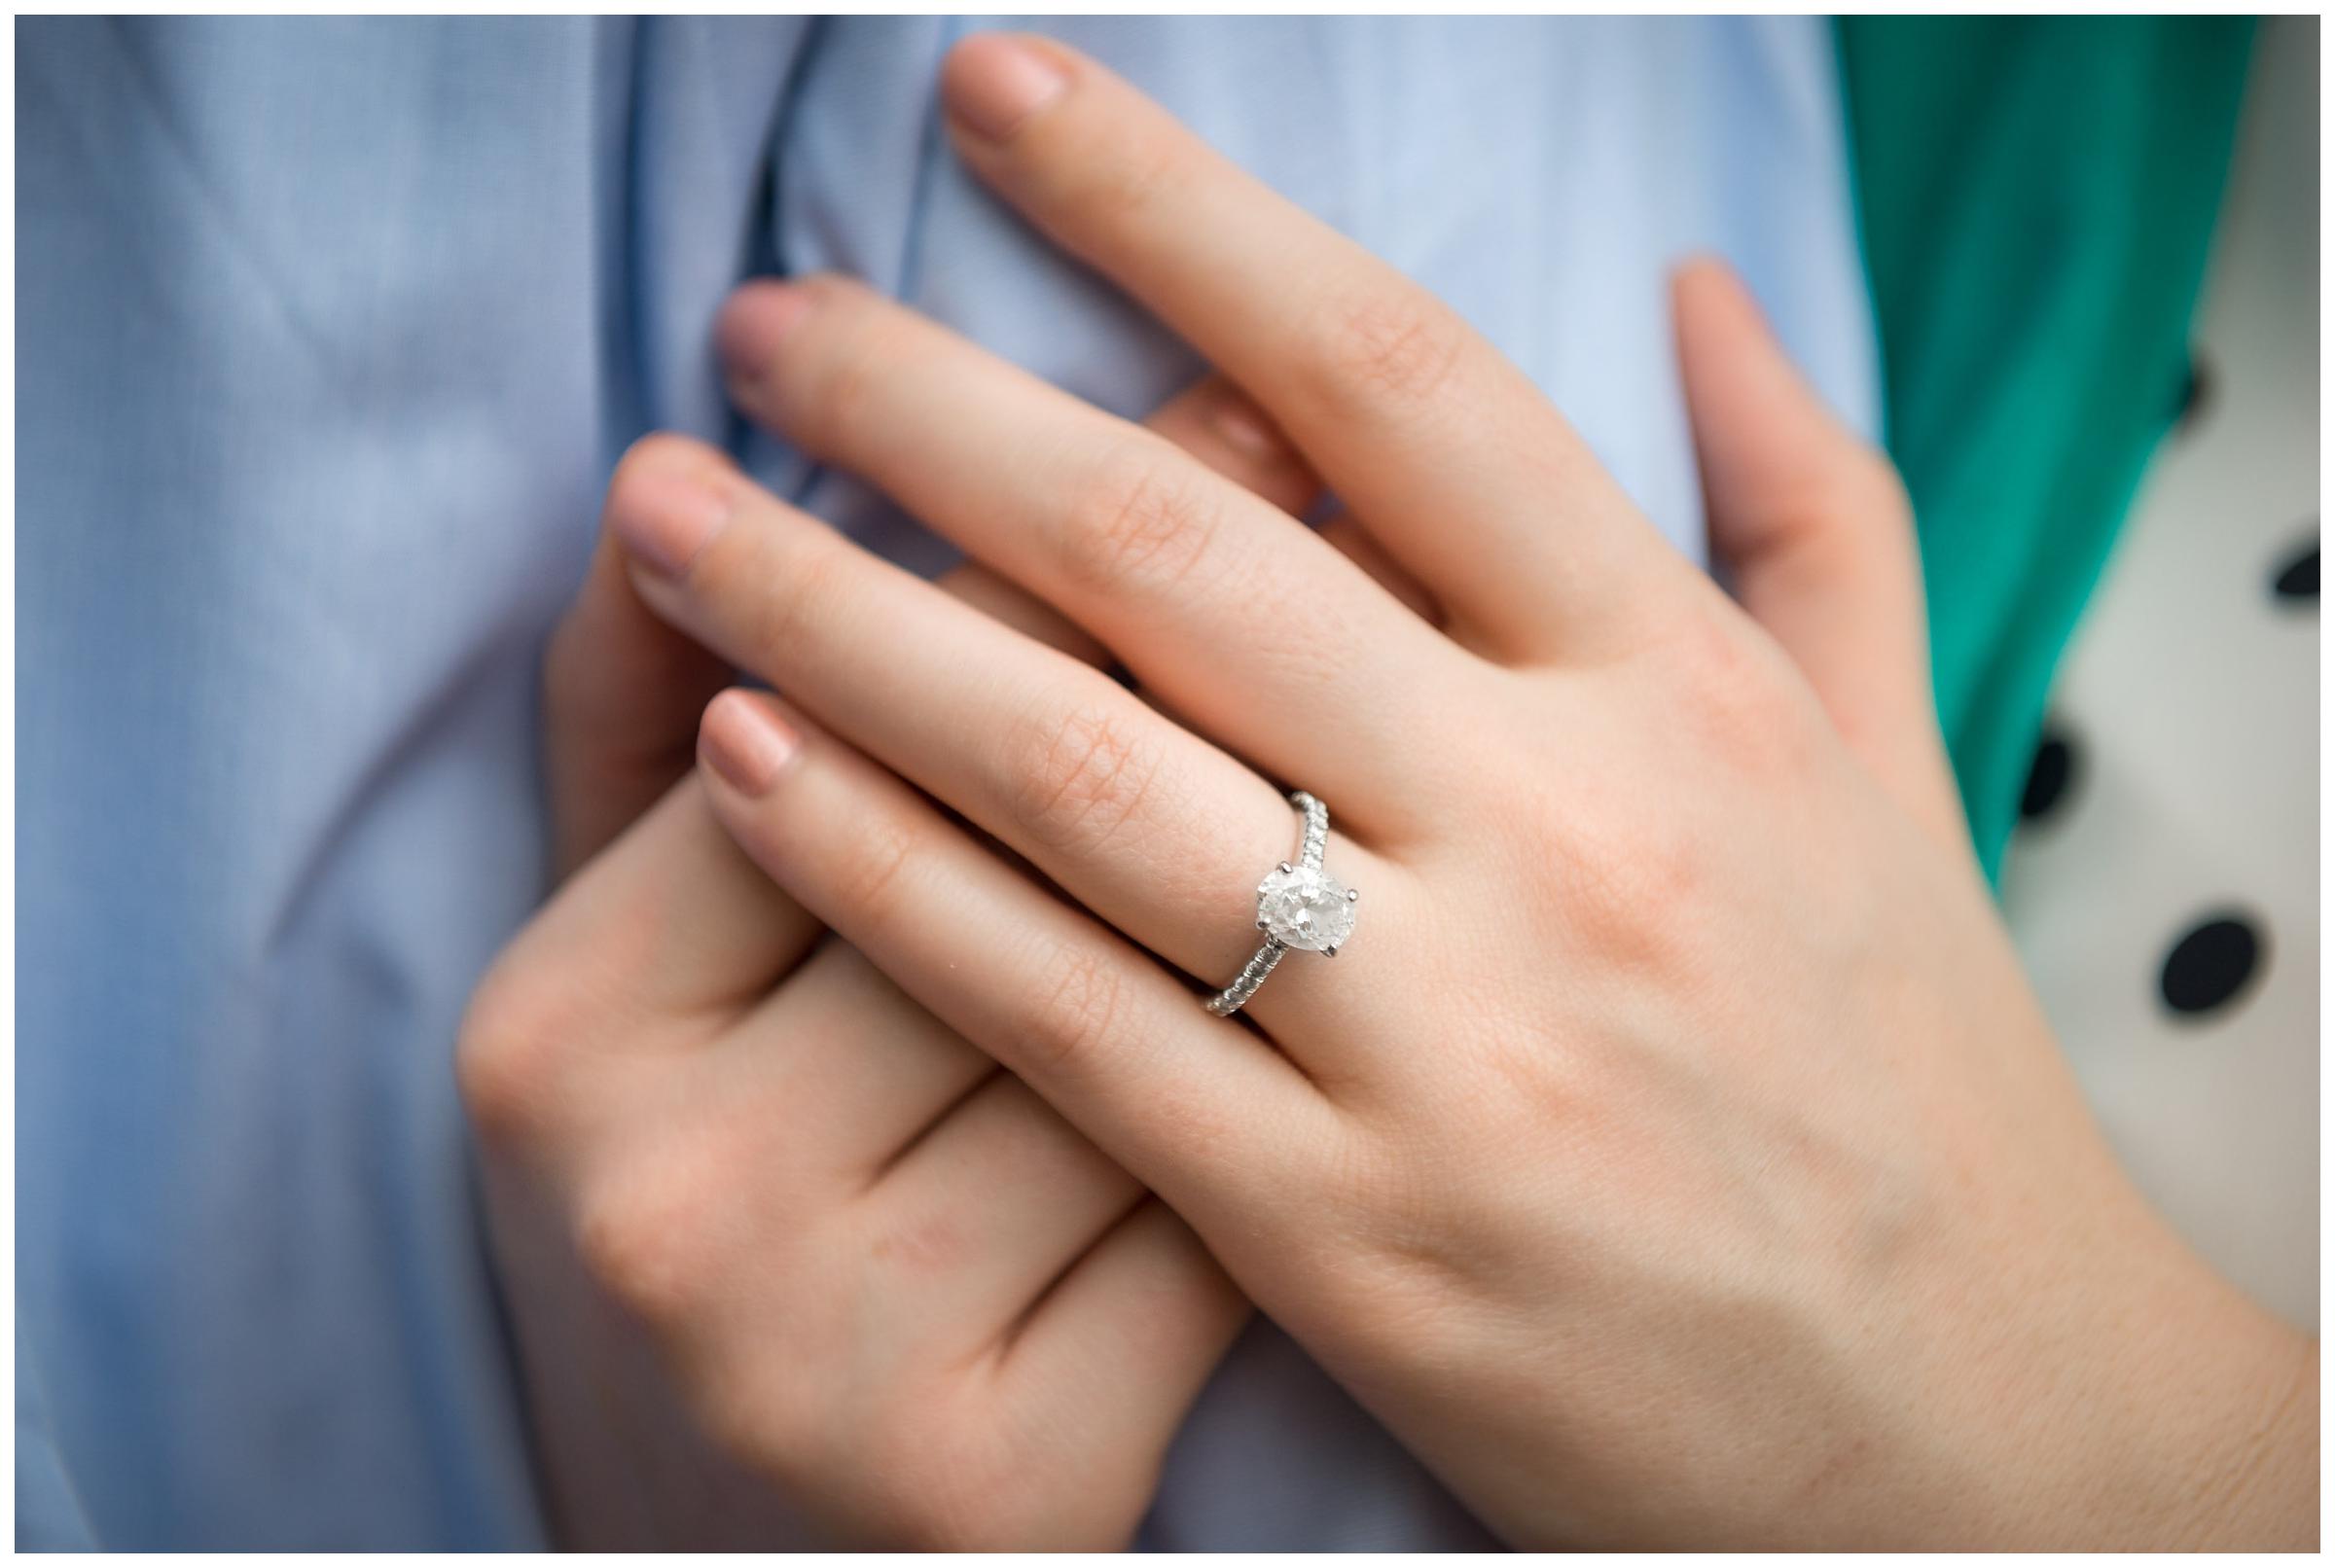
869,869
1869,488
763,1419
507,1053
1079,775
1139,517
1390,346
787,1407
1075,1010
1658,878
1637,884
1734,697
634,1234
1114,192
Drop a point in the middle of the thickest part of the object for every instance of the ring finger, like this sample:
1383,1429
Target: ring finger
1106,1036
1229,608
1153,829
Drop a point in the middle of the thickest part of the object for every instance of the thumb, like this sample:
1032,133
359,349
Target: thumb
622,689
1815,528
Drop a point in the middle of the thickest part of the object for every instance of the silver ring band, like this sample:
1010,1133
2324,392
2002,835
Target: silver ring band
1298,906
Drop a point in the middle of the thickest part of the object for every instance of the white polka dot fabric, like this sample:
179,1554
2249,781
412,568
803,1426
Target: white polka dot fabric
2164,884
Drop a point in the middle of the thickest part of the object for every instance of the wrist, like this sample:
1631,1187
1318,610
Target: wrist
2119,1395
2220,1416
2265,1496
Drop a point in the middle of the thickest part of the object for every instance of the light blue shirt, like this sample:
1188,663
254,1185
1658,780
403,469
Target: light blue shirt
329,333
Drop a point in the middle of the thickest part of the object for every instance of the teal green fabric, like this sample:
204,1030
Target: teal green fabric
2036,201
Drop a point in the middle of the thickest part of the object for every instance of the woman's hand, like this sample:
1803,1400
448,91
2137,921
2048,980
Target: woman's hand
788,1258
1676,1154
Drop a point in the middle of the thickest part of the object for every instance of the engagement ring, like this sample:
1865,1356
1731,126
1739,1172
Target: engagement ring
1298,906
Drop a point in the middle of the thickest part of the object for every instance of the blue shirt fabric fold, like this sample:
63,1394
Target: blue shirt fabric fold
330,332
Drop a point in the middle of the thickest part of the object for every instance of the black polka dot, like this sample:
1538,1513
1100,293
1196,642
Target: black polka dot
2049,776
2296,580
2210,964
2195,396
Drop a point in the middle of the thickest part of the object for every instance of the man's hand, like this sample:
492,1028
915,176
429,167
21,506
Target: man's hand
790,1262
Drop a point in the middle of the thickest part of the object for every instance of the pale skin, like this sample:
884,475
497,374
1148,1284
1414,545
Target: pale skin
1674,1155
790,1262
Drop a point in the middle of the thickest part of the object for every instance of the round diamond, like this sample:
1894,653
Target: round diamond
1304,908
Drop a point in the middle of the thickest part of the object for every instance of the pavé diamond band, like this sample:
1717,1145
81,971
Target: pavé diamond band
1298,906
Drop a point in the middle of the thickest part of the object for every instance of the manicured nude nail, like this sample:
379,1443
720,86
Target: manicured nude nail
993,84
745,742
1240,427
755,323
667,517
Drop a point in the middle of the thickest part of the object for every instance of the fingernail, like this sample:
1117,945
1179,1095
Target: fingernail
746,743
754,323
994,83
666,517
1239,428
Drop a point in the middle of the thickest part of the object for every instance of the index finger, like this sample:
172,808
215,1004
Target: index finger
1445,451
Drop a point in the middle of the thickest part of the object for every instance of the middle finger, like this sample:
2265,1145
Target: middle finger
1233,612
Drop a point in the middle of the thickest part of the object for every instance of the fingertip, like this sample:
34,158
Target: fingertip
1708,295
1702,265
746,741
666,515
1743,386
669,495
754,323
1242,427
670,451
1699,270
995,84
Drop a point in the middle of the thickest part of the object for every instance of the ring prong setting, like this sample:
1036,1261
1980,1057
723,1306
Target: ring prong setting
1305,908
1300,907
